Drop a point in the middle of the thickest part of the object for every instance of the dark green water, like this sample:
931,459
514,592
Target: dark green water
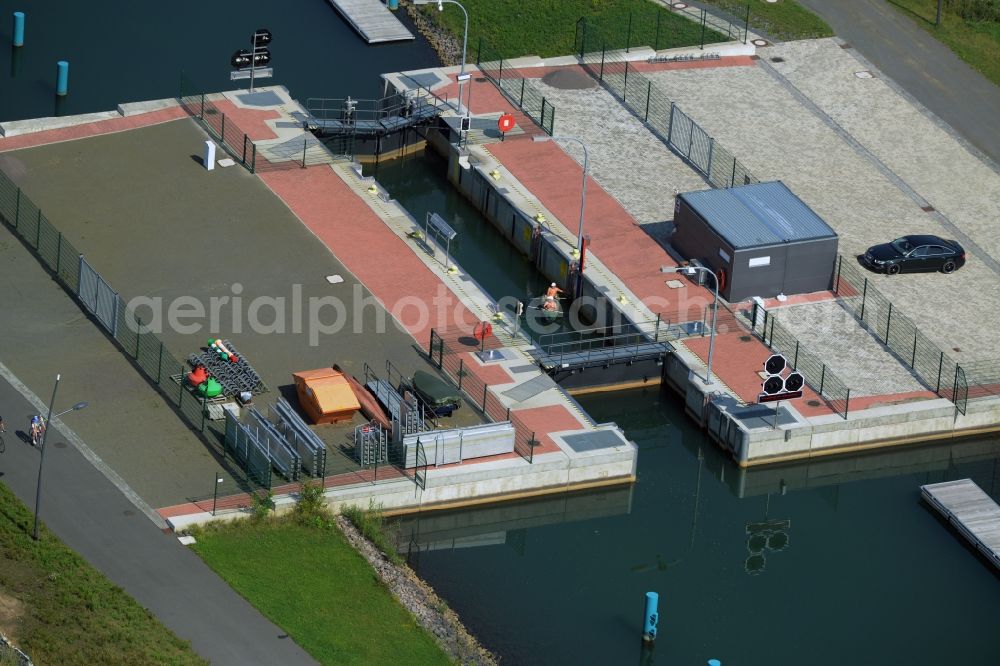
123,51
869,574
419,182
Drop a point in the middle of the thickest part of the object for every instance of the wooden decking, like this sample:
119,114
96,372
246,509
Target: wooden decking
373,21
971,511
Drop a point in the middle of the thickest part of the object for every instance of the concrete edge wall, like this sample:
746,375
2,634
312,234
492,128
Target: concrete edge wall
453,487
30,126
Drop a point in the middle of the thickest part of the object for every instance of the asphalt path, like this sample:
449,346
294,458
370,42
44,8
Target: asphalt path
97,520
892,40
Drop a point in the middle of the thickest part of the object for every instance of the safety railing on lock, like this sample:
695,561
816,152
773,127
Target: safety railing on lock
516,87
817,374
256,156
451,361
938,372
609,64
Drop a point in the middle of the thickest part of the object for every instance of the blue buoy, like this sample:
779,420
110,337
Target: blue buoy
393,4
714,662
62,77
651,617
18,28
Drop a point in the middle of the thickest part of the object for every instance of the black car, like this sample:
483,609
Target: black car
912,254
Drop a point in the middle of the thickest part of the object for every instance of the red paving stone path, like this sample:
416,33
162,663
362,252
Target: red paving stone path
249,121
369,249
615,238
91,129
737,362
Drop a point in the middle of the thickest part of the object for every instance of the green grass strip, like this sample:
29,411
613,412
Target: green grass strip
308,580
977,42
513,28
66,611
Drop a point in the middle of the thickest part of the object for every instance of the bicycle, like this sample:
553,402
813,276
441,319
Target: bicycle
37,430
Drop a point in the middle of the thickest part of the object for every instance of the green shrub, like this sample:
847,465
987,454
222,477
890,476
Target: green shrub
263,505
371,523
311,510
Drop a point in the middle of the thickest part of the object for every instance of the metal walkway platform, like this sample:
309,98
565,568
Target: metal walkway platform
971,511
373,21
606,356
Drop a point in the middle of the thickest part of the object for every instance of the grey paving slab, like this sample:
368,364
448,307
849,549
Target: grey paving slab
902,136
628,160
263,98
93,518
758,119
854,355
896,43
530,388
593,441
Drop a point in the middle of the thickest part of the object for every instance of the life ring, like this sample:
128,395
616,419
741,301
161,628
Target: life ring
720,275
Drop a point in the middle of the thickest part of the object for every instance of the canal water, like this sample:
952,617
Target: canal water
420,184
858,570
127,51
853,568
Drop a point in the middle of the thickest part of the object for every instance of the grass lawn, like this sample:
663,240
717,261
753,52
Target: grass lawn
60,610
975,42
785,20
547,28
314,585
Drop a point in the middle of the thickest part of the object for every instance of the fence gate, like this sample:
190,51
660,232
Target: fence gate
99,298
420,471
960,394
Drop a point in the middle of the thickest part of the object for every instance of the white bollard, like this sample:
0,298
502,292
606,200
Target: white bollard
209,159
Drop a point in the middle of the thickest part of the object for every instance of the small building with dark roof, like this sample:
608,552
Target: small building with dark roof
759,240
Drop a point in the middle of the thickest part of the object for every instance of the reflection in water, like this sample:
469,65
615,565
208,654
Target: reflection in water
843,547
505,523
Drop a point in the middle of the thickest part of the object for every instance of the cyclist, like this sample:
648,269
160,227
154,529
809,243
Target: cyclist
37,429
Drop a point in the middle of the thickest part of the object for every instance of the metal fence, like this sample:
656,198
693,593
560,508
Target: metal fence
817,374
110,310
518,89
661,28
611,67
296,153
451,361
936,370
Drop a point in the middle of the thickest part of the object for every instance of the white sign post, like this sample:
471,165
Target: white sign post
209,159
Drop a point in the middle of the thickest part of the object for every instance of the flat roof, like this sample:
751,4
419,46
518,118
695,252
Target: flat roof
758,215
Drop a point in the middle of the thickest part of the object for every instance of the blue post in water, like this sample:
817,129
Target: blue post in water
18,28
651,617
62,77
393,4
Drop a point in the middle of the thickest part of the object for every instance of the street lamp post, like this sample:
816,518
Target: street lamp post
41,462
691,270
465,42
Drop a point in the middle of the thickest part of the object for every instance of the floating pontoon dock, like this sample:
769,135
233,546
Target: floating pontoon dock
971,511
373,21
